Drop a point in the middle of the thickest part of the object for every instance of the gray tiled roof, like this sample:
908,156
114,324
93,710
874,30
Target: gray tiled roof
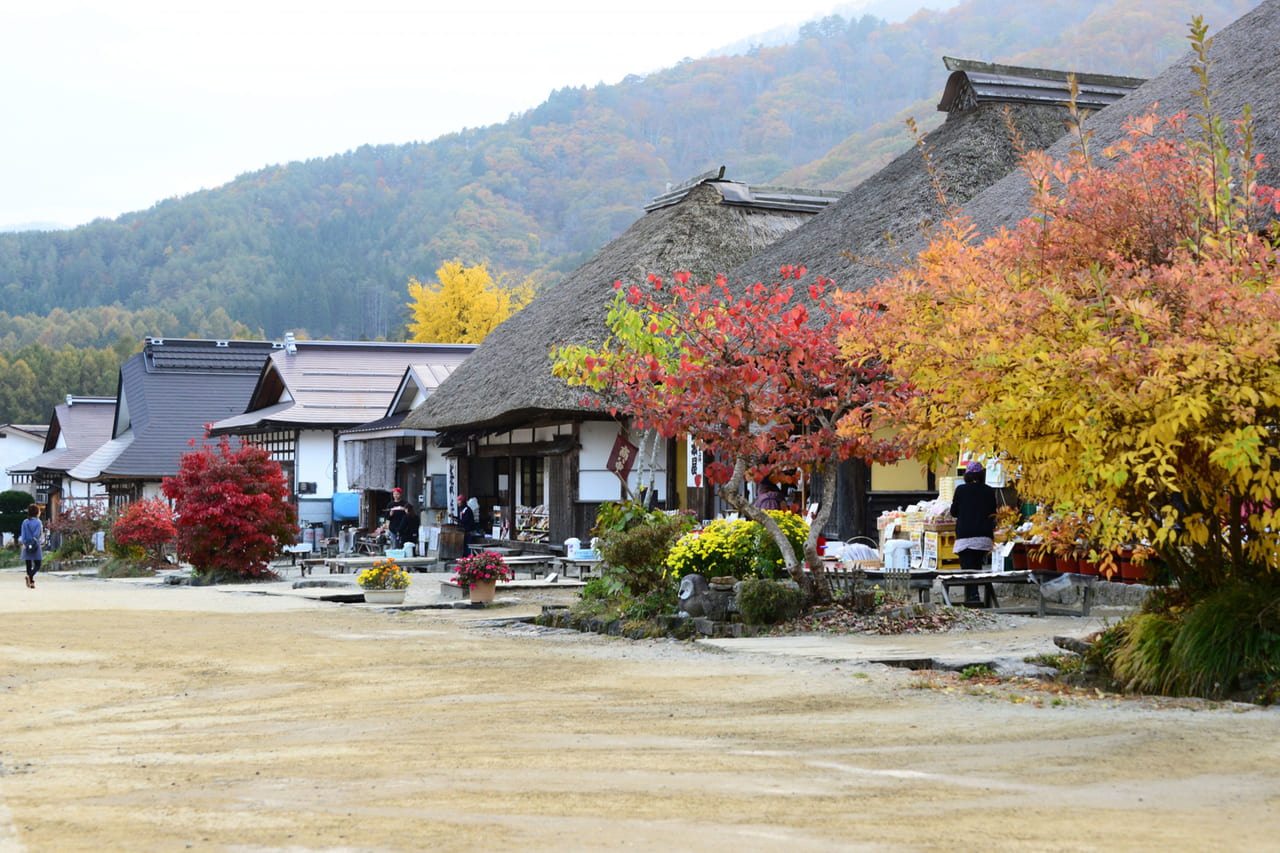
169,392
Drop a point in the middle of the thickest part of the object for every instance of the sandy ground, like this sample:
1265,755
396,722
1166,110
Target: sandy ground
143,717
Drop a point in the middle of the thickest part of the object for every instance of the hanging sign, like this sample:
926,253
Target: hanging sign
622,458
694,458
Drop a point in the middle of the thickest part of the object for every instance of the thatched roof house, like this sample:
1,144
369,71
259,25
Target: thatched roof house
706,227
970,151
879,218
521,427
1245,71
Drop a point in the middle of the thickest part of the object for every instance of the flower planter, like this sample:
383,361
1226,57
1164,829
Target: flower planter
1086,566
1066,564
1131,572
1040,562
1021,559
384,596
482,591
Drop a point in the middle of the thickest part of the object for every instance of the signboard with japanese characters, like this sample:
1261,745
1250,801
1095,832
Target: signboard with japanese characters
622,458
694,458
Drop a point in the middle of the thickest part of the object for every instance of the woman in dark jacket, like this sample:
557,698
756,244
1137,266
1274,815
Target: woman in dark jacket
974,509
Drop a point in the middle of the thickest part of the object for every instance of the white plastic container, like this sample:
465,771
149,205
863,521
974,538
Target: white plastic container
897,554
571,547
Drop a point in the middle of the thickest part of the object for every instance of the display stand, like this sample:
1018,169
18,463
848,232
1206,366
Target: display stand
532,524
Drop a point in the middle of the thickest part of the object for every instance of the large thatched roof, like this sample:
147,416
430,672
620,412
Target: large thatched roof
508,379
1246,71
970,151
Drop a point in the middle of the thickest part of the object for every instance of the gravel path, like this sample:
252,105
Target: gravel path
145,717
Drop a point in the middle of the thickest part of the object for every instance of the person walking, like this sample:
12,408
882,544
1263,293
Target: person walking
974,509
32,536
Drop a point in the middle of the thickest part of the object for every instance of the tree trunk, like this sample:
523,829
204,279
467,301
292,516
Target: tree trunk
813,582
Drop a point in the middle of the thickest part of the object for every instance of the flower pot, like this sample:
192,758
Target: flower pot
1066,564
384,596
1131,572
1021,559
1085,565
482,591
1038,562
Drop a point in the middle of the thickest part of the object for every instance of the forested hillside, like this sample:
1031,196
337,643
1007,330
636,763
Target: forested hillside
326,246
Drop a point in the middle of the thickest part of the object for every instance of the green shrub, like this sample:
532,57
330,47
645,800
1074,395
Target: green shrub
13,509
10,557
116,568
1140,661
1228,640
634,557
616,516
762,601
1230,635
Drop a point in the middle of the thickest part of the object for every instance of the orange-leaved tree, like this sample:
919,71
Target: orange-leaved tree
753,376
1122,345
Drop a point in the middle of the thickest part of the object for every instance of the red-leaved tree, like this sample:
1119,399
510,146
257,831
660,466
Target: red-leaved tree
754,376
233,510
148,524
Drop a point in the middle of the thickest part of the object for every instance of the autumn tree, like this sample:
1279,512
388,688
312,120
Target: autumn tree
463,306
752,376
146,524
1122,345
233,509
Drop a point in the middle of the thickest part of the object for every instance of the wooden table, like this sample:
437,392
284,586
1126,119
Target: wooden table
534,564
986,581
579,568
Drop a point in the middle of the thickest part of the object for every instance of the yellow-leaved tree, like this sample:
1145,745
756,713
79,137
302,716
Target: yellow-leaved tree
463,305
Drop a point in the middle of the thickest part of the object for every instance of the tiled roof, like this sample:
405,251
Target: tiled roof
337,384
169,392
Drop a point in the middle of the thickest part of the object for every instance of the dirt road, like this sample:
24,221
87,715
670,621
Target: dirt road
153,718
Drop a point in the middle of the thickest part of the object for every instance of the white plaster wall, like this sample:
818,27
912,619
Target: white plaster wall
15,448
595,481
315,462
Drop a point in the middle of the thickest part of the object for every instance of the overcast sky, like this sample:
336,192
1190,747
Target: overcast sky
112,105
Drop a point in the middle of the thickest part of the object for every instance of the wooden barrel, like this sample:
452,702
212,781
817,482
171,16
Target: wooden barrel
449,545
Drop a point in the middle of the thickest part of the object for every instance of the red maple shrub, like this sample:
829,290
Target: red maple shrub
147,524
233,511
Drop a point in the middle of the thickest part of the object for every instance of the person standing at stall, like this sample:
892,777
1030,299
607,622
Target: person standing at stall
974,509
468,522
399,517
31,536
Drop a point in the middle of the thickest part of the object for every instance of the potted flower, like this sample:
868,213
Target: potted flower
384,583
480,573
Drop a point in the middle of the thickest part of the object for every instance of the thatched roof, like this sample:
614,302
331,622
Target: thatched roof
1246,71
508,380
970,151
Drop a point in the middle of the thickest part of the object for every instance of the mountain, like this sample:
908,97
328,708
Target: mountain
325,247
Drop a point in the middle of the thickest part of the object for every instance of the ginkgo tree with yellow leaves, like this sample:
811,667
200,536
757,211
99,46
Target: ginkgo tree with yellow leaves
463,305
1121,345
